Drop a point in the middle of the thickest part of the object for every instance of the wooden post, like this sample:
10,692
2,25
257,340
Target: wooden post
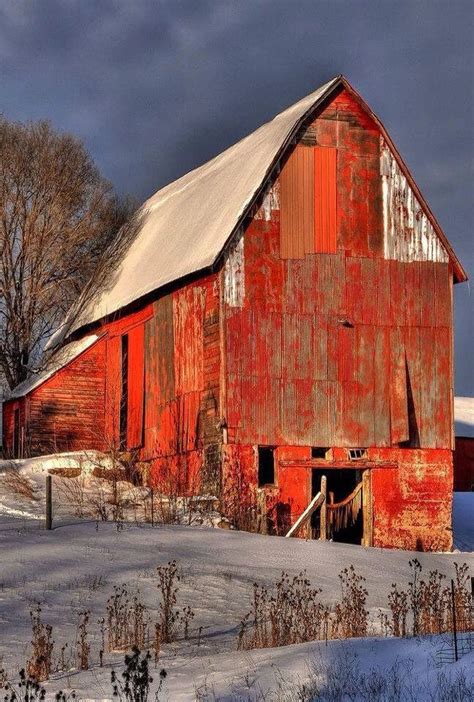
367,536
49,502
152,501
455,633
324,511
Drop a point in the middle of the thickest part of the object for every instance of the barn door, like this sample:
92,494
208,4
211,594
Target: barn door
294,483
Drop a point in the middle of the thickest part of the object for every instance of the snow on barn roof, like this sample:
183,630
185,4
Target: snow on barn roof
186,225
464,416
61,358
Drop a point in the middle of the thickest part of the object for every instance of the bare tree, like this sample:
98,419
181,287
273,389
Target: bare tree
57,217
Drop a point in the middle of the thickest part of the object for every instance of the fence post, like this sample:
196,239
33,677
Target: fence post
455,633
152,507
323,512
49,502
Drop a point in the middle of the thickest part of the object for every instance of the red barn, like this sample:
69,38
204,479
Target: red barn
284,314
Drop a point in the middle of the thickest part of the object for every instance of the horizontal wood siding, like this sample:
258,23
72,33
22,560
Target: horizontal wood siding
66,413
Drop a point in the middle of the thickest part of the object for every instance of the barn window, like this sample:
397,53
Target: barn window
124,394
266,465
357,454
321,452
308,202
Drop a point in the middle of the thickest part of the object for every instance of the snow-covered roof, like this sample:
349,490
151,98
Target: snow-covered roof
464,416
185,225
61,358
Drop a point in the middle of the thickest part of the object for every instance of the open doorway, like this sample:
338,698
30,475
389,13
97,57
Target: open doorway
345,522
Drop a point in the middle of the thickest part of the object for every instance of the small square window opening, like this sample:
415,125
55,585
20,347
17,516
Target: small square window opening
266,465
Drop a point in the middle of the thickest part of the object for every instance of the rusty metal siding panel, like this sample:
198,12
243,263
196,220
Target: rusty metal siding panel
188,316
414,381
325,232
428,387
297,343
297,208
234,275
442,405
382,387
164,340
408,234
366,384
399,420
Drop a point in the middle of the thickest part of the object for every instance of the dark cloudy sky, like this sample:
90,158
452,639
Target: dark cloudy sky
156,87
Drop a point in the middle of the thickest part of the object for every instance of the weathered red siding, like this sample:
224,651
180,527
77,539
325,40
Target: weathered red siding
65,413
182,376
347,349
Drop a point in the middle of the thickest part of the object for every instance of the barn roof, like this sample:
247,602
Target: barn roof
185,226
59,360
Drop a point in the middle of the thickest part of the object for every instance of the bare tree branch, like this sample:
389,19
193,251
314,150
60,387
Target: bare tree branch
57,217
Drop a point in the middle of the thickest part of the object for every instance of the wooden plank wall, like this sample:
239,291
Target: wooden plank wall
66,413
182,374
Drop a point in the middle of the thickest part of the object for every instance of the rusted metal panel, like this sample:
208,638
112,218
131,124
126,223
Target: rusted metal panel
297,204
188,315
399,419
442,412
429,387
414,379
382,384
324,200
408,233
234,275
366,384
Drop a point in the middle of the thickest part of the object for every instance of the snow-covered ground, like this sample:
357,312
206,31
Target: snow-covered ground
76,565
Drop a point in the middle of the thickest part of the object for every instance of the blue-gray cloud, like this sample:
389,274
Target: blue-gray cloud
156,87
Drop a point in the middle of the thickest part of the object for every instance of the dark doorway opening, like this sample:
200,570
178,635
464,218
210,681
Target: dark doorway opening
266,465
340,484
124,394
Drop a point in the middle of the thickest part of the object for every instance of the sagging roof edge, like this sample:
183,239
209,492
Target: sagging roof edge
338,82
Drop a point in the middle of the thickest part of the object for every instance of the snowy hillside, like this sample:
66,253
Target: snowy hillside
74,568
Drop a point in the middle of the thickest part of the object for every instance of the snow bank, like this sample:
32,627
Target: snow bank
75,567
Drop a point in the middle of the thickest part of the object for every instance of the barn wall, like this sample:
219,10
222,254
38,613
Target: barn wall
182,380
66,412
412,503
344,349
